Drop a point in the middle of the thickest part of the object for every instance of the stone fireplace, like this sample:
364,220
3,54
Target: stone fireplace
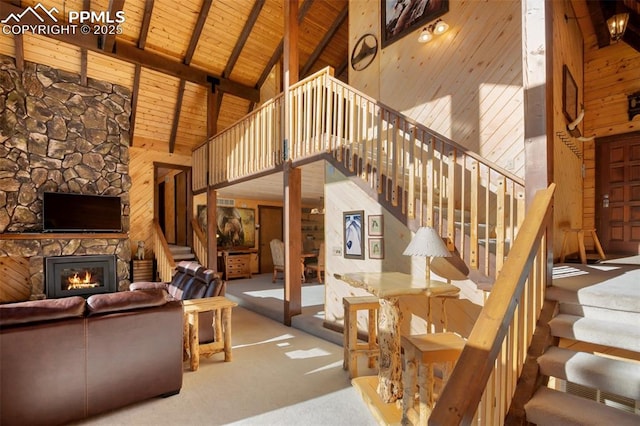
79,275
58,134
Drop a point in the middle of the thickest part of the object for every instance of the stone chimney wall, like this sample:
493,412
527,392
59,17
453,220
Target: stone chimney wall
58,135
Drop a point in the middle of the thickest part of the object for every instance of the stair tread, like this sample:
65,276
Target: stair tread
185,256
175,249
548,407
599,372
607,333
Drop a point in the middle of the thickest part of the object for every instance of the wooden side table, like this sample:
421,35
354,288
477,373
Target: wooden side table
222,327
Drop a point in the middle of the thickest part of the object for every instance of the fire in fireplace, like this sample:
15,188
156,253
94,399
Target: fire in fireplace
80,275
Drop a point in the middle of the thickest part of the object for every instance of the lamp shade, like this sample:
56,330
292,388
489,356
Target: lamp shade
617,25
427,243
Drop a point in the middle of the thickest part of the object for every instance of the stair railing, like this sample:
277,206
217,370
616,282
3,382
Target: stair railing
165,262
199,242
429,178
483,382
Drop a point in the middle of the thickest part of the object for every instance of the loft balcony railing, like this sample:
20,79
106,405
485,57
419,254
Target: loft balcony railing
429,178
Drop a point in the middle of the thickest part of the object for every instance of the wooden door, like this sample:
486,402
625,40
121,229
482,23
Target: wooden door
270,219
618,193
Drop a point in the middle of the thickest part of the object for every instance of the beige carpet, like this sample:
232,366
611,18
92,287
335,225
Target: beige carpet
279,376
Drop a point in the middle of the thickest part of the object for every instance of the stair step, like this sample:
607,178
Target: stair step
551,407
185,256
598,372
607,333
179,249
598,313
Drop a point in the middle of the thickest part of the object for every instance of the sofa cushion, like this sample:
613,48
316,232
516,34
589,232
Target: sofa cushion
41,310
125,300
147,285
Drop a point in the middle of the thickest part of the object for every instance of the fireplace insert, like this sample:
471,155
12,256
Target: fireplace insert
80,275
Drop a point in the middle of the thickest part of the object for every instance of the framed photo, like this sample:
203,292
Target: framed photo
236,227
401,17
569,95
376,225
376,248
353,234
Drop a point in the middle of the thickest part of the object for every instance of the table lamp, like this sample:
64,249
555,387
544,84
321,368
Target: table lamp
427,243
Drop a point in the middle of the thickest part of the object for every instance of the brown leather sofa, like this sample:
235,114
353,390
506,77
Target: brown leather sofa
68,359
192,281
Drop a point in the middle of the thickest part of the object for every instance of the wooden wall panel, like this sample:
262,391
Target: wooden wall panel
192,127
156,106
105,68
15,285
459,95
235,108
141,170
7,45
213,52
183,19
47,51
567,170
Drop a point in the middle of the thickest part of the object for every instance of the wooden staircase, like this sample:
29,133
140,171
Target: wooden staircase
595,356
421,177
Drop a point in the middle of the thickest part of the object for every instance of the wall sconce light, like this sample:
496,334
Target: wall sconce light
617,25
437,28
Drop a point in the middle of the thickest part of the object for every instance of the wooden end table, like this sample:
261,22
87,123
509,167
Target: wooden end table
221,306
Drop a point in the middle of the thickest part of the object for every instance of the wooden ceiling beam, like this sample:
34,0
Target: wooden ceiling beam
146,20
277,54
244,35
107,41
176,117
197,31
325,41
134,103
132,54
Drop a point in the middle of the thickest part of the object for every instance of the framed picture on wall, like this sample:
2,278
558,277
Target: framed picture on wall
376,225
401,17
376,248
353,234
236,227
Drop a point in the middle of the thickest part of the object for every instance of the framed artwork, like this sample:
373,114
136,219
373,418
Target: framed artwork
353,234
569,95
236,227
202,216
376,248
376,225
401,17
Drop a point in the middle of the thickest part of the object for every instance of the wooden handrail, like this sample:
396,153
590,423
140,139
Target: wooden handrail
165,261
199,242
419,174
519,288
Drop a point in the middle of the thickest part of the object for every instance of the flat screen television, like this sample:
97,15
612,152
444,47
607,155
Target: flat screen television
65,212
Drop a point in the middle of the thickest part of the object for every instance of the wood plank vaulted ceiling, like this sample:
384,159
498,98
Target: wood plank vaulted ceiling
170,51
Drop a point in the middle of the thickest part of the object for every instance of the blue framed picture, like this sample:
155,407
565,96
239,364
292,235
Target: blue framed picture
353,234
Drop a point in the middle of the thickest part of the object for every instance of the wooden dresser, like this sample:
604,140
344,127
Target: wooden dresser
237,263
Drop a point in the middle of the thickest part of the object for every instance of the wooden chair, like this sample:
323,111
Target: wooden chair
277,255
318,267
351,345
421,352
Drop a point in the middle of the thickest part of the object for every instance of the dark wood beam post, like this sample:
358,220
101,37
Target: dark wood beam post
537,36
176,117
107,41
212,195
19,48
292,176
134,102
293,242
212,220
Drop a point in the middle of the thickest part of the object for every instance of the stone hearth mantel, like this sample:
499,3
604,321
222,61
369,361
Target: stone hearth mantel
61,236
